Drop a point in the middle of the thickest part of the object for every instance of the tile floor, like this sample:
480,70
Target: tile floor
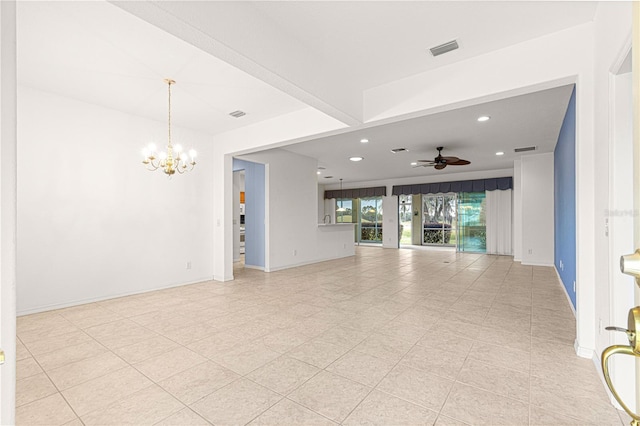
387,337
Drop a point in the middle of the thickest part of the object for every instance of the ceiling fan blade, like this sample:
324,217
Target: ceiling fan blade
425,161
440,166
450,160
459,163
424,165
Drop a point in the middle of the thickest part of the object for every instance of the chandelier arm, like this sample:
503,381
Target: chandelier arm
151,166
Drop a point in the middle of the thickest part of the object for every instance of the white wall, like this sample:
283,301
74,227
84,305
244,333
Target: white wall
546,61
537,210
292,219
517,210
390,232
92,223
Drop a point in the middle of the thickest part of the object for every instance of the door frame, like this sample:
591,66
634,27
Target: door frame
617,221
635,76
8,206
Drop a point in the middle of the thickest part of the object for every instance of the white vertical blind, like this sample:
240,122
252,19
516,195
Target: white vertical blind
499,222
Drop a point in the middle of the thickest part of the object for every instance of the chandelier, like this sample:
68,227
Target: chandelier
175,159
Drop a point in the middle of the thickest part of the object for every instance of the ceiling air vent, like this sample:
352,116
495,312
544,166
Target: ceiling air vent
444,48
397,150
237,114
525,149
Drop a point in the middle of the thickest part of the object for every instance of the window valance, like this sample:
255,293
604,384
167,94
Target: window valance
478,185
376,191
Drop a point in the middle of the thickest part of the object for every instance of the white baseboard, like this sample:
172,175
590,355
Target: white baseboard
564,290
537,264
583,352
77,302
223,278
259,268
310,262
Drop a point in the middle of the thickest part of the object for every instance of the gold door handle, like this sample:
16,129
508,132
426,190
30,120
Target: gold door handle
612,350
630,264
1,357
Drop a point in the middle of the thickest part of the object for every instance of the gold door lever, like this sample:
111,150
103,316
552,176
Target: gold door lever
1,357
632,349
612,350
630,334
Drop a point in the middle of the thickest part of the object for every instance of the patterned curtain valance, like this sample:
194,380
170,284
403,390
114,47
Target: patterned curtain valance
377,191
478,185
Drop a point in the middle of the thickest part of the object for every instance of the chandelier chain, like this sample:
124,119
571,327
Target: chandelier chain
169,83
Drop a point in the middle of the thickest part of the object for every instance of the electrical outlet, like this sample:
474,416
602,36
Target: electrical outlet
530,251
344,245
295,252
189,265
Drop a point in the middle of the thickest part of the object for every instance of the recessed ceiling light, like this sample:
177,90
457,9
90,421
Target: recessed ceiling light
328,177
499,153
356,158
364,140
319,172
484,118
237,114
414,164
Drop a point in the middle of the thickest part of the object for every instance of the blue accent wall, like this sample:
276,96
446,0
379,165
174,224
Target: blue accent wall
565,199
254,204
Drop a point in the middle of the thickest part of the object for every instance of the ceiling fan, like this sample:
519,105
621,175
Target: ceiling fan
441,162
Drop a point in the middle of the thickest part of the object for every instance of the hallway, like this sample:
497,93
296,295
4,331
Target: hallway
385,337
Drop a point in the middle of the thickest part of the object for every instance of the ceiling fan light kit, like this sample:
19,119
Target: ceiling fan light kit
441,162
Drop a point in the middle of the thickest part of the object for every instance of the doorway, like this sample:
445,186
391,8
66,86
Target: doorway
249,226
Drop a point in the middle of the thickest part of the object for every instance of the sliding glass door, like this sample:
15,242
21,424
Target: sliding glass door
472,235
439,219
371,220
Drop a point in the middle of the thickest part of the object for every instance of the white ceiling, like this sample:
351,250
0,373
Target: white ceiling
280,57
328,52
522,121
95,52
372,43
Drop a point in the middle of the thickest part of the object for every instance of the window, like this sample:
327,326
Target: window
366,213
